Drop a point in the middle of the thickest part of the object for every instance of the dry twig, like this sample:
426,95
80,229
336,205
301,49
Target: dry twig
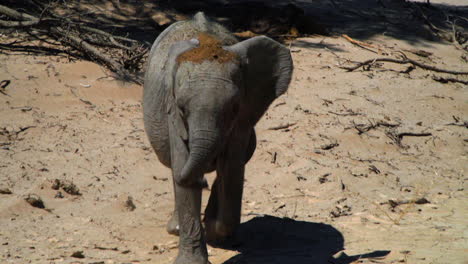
395,203
447,80
397,137
404,60
283,126
360,44
350,113
363,128
3,86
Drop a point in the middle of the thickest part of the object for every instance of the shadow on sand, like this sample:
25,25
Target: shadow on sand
269,239
360,19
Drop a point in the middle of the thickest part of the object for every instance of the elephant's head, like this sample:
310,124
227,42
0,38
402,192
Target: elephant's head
215,87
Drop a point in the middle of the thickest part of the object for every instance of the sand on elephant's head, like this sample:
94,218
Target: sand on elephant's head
209,49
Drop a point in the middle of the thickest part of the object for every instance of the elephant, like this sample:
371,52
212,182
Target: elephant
204,91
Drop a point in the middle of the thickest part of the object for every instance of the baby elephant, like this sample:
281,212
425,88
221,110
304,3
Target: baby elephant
203,94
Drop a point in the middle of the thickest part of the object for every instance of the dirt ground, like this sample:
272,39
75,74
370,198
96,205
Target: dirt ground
366,166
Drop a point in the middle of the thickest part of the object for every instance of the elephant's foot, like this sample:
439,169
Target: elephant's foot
192,252
217,232
190,258
172,226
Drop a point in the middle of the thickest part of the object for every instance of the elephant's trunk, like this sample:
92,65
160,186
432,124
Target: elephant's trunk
203,146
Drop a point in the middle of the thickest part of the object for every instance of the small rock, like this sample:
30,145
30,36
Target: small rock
56,184
5,191
71,188
68,186
59,195
129,204
329,146
324,179
341,211
35,201
77,254
422,201
360,172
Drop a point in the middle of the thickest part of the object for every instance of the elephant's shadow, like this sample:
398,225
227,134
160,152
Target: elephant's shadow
269,239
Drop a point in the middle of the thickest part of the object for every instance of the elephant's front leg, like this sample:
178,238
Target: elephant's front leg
172,226
223,212
192,245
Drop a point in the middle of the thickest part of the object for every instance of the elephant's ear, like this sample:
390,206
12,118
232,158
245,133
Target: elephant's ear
174,112
268,68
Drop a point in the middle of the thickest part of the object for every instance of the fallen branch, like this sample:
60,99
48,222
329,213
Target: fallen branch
282,126
345,114
80,44
447,80
329,146
464,124
15,14
405,60
411,134
395,203
360,44
106,248
398,137
420,53
458,122
28,23
40,50
434,28
111,37
3,86
82,38
363,128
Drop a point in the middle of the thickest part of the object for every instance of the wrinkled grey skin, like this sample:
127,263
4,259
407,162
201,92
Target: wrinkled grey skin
200,117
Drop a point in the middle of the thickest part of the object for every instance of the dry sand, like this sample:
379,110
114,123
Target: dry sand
313,188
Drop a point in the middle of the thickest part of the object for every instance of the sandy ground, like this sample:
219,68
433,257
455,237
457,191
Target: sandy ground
321,185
